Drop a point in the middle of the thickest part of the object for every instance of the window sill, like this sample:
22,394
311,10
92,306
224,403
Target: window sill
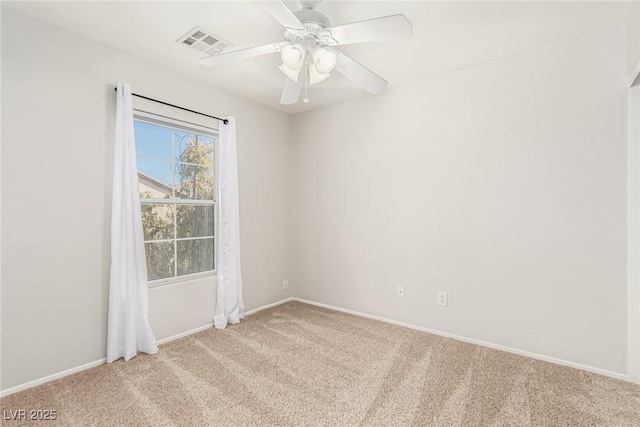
179,279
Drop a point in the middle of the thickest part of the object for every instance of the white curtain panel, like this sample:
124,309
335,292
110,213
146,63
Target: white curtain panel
229,304
128,328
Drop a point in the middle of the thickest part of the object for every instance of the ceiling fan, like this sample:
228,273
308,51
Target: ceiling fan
309,52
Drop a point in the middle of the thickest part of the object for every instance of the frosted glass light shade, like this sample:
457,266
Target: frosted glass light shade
324,60
315,76
289,72
293,56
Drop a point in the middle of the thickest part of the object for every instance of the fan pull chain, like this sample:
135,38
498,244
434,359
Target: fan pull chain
306,87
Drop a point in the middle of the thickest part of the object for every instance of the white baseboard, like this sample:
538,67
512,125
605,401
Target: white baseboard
90,365
184,334
210,325
264,307
605,372
52,377
93,364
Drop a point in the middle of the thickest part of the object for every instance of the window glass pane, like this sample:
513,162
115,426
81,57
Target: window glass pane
176,164
195,256
192,148
160,260
154,179
194,182
157,221
194,221
153,141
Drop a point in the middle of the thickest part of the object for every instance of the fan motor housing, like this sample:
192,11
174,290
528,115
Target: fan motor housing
308,16
313,22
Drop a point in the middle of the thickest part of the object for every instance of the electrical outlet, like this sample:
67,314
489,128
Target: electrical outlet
285,285
400,292
443,299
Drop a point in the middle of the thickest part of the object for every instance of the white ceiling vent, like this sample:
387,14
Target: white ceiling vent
202,40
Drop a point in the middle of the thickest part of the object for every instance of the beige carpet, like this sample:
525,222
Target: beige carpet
301,365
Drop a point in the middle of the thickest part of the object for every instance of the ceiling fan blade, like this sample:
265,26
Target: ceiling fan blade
359,74
292,89
281,13
372,30
238,55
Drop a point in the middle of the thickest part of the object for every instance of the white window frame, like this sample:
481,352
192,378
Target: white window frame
184,126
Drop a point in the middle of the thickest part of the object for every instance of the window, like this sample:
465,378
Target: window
177,194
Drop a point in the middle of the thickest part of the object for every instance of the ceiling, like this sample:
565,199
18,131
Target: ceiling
446,36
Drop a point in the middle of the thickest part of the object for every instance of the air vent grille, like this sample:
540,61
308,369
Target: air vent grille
203,41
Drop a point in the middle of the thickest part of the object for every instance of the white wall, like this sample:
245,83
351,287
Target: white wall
503,184
633,37
58,109
634,234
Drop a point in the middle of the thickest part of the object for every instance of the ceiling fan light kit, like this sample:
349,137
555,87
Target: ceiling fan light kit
308,53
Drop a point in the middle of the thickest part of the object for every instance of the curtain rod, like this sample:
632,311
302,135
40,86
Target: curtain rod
225,121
